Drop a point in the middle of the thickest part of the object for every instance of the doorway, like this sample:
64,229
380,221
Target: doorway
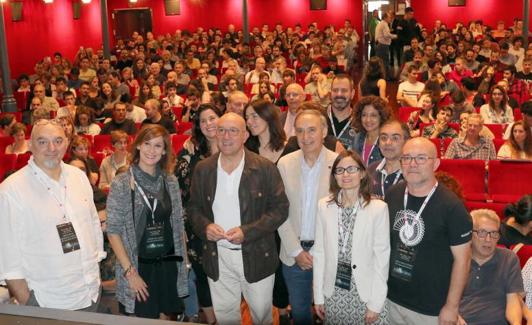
127,21
370,5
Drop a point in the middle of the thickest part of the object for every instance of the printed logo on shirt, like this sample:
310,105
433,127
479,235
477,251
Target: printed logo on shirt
411,229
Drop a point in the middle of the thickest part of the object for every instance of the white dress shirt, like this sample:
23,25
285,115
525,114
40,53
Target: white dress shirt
32,206
226,205
310,177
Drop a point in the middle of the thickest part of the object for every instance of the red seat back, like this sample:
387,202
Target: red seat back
496,129
7,163
509,180
471,174
403,113
177,142
22,160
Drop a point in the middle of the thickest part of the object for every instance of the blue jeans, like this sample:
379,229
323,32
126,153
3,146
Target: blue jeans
191,302
299,284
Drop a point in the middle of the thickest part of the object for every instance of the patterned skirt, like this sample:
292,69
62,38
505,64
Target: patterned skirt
346,307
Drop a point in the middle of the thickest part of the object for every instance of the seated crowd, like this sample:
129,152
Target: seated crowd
262,170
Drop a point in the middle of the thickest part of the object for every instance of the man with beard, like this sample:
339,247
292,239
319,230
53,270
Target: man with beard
340,113
50,239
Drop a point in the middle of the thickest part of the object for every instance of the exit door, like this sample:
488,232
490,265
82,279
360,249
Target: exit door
127,21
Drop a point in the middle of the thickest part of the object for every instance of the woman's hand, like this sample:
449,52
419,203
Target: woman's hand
137,285
370,317
320,311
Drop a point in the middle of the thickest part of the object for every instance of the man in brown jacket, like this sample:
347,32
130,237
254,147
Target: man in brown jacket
237,203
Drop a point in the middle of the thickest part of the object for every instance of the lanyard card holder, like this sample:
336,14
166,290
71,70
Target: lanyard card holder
68,238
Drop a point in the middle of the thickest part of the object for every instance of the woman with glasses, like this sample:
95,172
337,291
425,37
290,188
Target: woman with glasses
517,225
352,233
146,231
497,110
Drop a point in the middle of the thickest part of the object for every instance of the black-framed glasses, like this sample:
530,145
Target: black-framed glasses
233,132
350,170
483,233
420,160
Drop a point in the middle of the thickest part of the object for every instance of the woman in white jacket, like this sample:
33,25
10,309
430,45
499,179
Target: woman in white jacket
351,248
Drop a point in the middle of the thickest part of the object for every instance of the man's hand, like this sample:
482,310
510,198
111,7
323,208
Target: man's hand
235,235
448,315
304,260
214,232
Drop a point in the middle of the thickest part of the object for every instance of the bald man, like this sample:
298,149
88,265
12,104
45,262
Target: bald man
430,242
236,102
253,76
237,203
295,96
50,239
49,103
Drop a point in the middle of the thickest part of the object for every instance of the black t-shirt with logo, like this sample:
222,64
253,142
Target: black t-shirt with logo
420,274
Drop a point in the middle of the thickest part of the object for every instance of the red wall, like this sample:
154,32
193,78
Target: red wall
49,28
489,11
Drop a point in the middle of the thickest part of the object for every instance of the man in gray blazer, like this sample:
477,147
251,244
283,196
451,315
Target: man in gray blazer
305,175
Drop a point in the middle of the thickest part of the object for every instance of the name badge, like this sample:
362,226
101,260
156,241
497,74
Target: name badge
343,275
68,238
404,258
155,239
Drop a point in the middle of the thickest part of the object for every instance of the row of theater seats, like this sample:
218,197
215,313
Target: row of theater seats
501,183
100,147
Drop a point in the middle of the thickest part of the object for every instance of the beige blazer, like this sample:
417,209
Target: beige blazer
290,170
370,253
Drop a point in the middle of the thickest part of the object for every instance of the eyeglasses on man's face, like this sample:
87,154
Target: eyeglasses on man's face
419,160
481,233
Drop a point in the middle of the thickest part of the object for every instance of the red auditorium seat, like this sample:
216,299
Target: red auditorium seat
98,157
404,113
22,160
177,142
439,146
498,144
102,142
496,129
4,142
178,112
7,163
524,253
497,207
517,114
22,100
471,174
183,127
509,180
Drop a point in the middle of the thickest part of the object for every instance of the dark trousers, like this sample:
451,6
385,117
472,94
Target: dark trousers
383,52
93,308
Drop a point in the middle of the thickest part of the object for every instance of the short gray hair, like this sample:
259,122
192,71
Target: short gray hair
485,213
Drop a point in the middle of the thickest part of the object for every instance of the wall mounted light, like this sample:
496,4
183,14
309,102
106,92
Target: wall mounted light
133,1
85,1
48,1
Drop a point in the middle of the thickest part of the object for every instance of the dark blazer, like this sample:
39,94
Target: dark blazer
263,208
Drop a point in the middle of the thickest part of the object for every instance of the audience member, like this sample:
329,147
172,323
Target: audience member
119,121
517,225
472,145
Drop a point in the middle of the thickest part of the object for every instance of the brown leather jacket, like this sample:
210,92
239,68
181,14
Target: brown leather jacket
263,208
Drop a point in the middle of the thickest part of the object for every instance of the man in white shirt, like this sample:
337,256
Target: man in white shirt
384,38
306,175
50,238
237,203
409,90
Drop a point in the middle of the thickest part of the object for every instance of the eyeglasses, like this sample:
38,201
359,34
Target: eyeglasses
350,170
43,121
233,132
483,233
420,160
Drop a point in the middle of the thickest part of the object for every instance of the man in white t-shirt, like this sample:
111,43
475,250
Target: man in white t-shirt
409,90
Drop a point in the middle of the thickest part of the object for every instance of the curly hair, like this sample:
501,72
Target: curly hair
376,102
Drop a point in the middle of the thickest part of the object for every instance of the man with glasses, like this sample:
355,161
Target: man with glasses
49,103
473,145
50,238
430,242
494,292
305,173
237,203
387,172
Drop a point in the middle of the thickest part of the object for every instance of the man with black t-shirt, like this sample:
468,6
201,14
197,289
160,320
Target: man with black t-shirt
154,116
430,242
340,113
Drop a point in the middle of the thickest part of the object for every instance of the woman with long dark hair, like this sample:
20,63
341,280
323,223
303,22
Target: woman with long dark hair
517,226
373,82
519,145
351,229
497,109
146,229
